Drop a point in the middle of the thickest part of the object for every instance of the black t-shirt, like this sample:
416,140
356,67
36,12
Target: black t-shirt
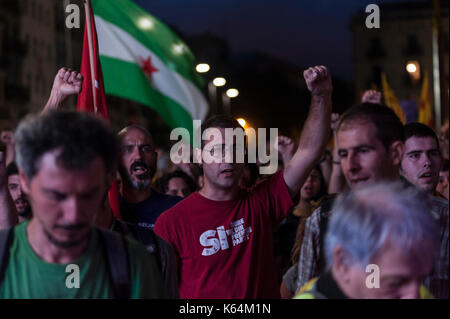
146,212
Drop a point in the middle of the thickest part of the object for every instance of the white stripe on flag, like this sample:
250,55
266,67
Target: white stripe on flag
116,43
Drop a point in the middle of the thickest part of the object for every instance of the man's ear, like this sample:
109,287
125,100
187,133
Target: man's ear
396,151
341,265
24,182
198,155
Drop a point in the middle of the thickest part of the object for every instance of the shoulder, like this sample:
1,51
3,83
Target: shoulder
439,207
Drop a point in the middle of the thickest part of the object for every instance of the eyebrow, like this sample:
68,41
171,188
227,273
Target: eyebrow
422,151
356,147
89,191
144,144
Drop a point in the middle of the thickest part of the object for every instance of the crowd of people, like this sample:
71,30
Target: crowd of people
377,199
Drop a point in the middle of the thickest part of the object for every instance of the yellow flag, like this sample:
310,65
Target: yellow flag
391,100
425,115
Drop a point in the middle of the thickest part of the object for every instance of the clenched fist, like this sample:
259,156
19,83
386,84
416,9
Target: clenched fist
67,82
334,121
318,80
371,96
7,137
285,145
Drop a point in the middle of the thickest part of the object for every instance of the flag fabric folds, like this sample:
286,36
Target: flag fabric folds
425,113
391,100
144,61
86,101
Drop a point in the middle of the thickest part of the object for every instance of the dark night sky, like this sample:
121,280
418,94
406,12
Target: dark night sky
303,32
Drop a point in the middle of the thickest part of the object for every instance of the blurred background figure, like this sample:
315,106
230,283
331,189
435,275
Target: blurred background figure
177,183
311,194
18,195
249,176
442,187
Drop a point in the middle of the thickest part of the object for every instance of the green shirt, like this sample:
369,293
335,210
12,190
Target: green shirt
29,276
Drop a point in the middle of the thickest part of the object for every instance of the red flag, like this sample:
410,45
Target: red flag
92,97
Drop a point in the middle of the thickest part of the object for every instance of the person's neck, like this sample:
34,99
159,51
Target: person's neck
219,194
104,220
304,204
47,250
132,195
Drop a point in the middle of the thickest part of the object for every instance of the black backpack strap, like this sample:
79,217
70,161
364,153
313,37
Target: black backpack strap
6,238
117,260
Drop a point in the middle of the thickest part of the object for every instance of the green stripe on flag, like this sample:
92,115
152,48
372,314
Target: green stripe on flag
158,38
130,83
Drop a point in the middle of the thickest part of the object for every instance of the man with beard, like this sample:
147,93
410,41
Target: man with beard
66,164
139,202
18,195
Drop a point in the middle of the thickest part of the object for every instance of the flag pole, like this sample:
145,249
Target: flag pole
87,9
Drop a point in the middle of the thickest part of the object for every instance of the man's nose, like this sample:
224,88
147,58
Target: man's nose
426,161
72,210
137,153
353,162
19,191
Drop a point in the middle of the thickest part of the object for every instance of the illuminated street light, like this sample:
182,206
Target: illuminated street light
219,81
413,68
202,67
231,93
242,122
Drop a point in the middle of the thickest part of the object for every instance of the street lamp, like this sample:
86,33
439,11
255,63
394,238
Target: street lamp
219,81
241,122
212,90
226,99
202,68
231,93
413,68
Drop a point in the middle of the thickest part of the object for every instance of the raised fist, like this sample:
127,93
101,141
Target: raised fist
334,121
285,145
371,96
318,80
7,137
67,82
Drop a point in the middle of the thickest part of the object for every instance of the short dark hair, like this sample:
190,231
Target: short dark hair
79,136
12,169
162,184
416,129
388,127
219,121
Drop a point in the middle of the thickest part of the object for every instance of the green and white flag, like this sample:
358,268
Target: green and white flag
144,61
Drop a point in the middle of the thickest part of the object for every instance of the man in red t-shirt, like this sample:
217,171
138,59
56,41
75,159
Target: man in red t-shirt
222,234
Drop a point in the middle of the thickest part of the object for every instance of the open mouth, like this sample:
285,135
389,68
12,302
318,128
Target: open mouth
227,172
357,181
138,168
